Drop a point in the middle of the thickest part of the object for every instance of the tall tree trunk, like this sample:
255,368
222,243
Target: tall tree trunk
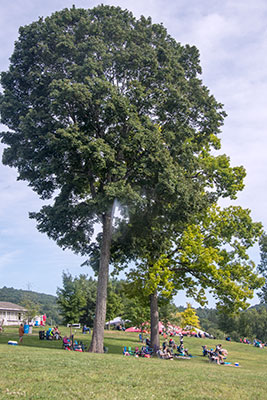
154,320
97,343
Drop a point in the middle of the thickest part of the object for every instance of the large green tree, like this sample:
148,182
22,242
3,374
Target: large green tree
211,254
101,106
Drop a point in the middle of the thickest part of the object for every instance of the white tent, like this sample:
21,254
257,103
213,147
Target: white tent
117,321
202,332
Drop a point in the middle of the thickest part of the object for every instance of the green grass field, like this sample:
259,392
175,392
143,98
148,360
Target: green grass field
43,370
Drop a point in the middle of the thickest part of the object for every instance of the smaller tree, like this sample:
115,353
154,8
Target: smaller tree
190,318
115,304
32,308
137,311
245,323
262,267
260,324
168,313
228,323
71,299
89,286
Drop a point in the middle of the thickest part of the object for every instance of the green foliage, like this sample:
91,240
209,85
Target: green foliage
137,311
190,318
77,299
262,267
71,298
101,106
115,300
31,307
89,288
251,324
212,254
168,313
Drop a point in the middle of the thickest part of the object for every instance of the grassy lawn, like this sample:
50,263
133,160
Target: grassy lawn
43,370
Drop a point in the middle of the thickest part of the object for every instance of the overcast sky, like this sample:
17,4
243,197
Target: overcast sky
231,36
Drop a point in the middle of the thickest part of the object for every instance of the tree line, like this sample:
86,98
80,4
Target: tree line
77,300
77,297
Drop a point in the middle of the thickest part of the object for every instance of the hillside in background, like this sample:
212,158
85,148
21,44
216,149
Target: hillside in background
47,302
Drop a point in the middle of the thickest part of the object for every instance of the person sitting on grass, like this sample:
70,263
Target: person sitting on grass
49,334
86,329
221,351
182,351
165,354
205,350
215,356
67,342
56,333
168,354
160,353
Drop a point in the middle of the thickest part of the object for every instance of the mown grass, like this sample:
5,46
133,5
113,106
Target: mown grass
43,370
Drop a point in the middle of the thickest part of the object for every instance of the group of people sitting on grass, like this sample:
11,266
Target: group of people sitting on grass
168,350
259,343
69,343
50,334
171,350
256,342
53,334
144,351
217,355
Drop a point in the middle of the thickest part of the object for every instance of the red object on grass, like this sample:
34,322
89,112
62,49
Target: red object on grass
133,329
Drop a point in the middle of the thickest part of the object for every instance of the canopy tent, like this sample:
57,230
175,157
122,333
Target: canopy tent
117,321
202,333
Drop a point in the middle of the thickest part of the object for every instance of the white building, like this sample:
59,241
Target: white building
11,314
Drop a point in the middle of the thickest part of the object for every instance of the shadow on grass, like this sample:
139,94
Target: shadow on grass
125,339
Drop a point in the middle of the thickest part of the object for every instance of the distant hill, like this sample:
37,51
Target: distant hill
258,306
47,302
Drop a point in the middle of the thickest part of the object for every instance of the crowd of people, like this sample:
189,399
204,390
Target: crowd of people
169,350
